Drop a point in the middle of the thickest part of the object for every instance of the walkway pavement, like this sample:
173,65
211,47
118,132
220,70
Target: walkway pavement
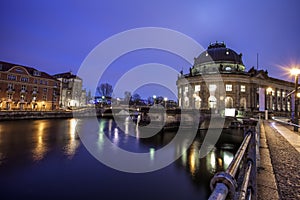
292,137
279,174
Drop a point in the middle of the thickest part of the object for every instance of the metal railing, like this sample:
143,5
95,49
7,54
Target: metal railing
224,184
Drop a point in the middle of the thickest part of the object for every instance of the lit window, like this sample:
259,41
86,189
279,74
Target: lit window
197,88
283,93
278,93
212,87
179,90
243,88
186,89
228,87
227,52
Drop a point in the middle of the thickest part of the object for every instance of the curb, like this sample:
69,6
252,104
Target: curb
266,182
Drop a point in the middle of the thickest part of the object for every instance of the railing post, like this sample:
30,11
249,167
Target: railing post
226,179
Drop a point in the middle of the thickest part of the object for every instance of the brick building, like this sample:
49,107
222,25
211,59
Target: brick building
26,88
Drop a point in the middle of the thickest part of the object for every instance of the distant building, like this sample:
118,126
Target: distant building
220,67
26,88
72,94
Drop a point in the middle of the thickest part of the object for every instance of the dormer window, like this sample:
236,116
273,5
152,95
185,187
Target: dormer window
36,73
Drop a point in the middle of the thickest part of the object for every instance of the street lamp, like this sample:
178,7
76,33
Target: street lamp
295,72
165,100
154,99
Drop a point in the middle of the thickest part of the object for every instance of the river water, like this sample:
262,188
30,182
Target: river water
45,159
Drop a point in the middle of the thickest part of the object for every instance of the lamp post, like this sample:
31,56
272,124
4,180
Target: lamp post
165,100
296,73
154,99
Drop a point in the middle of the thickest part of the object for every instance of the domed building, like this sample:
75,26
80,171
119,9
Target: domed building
218,80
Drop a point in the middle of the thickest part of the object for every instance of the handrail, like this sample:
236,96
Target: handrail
226,179
245,189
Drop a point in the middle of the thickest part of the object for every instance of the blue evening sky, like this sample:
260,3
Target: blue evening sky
56,36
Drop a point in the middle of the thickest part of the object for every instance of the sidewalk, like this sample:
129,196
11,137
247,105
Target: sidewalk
284,161
292,137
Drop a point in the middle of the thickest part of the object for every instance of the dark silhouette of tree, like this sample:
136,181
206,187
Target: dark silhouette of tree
136,98
105,89
150,101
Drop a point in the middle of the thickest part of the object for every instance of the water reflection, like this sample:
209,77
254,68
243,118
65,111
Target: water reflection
41,148
73,140
54,140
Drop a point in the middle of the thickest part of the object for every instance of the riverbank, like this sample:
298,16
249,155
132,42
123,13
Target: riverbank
18,115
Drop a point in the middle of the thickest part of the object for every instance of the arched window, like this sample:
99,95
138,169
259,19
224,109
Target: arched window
186,102
243,103
228,102
197,102
212,102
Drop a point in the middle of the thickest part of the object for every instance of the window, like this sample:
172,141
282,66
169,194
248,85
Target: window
23,87
283,93
179,90
186,89
41,82
197,88
9,96
243,88
10,86
19,70
278,93
35,88
22,97
228,87
11,77
35,81
24,79
212,87
44,98
45,90
36,73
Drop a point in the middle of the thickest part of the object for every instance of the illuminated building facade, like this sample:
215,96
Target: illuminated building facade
72,94
218,80
26,88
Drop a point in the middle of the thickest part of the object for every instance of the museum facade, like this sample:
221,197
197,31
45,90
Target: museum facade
218,80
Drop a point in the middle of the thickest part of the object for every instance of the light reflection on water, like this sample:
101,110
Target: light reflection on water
42,144
40,149
74,142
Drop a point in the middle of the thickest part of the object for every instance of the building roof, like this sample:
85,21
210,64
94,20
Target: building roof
6,67
218,52
66,75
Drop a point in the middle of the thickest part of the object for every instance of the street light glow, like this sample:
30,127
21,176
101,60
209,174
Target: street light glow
295,71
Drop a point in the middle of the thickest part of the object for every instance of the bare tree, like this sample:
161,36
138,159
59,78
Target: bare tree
136,98
105,89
